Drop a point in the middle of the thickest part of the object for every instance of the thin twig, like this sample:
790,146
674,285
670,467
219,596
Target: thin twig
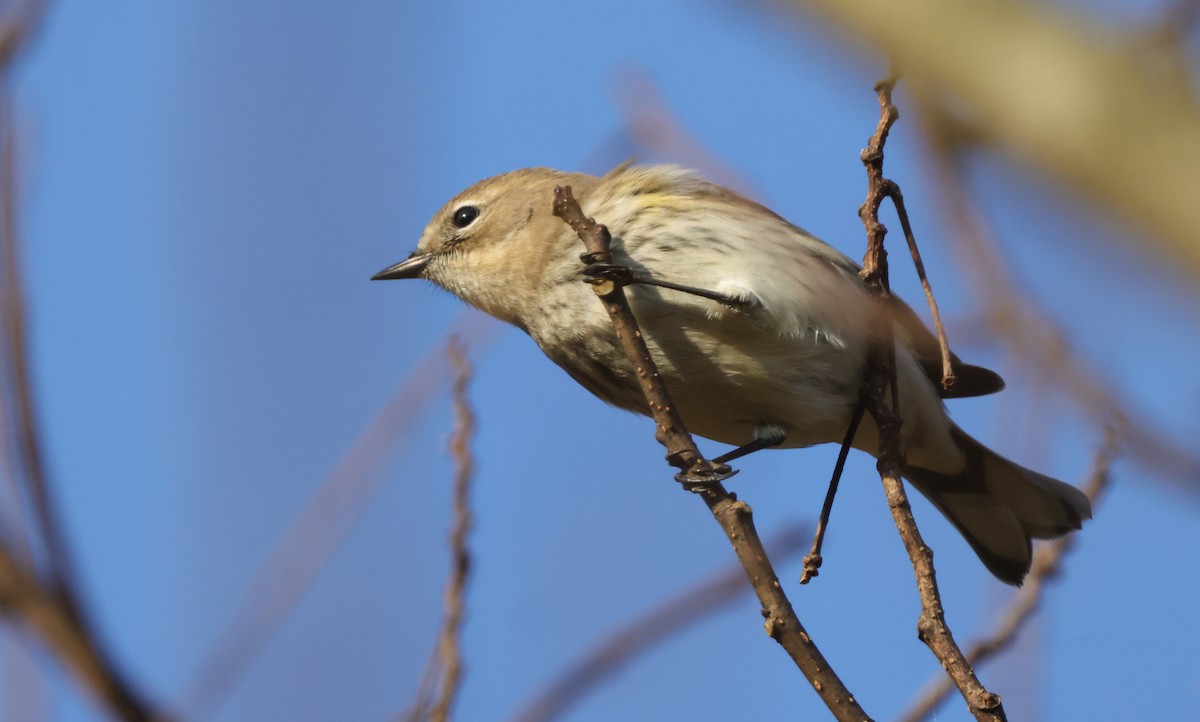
704,478
649,630
879,189
892,190
304,549
1047,562
883,404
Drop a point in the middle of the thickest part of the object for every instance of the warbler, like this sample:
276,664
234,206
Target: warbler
762,342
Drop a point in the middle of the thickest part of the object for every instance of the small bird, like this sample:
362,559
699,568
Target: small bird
761,336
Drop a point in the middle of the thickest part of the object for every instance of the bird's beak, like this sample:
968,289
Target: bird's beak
411,267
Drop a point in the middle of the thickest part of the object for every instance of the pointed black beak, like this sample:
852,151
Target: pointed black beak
411,267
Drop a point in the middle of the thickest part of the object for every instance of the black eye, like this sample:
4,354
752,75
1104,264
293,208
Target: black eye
465,216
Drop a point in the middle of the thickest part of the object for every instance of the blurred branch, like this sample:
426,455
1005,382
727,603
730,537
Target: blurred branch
1047,562
883,403
443,674
1169,35
307,545
1029,330
1060,94
652,629
28,603
703,477
655,129
49,607
19,22
24,428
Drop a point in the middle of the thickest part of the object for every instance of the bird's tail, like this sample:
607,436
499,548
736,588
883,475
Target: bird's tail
999,506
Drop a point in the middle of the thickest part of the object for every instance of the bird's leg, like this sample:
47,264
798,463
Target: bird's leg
626,276
812,560
765,437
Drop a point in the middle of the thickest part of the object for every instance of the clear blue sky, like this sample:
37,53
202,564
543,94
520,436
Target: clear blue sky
207,187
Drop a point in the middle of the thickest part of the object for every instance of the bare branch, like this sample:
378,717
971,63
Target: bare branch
701,476
681,449
882,396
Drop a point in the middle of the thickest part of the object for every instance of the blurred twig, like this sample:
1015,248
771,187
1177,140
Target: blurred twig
442,679
1019,71
47,603
307,545
1169,36
702,476
23,598
1047,562
882,396
19,22
652,127
650,630
1028,330
464,470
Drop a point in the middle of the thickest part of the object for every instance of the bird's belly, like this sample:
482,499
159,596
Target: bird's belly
728,376
807,387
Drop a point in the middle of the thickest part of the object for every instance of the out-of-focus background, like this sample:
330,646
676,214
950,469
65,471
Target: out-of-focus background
203,188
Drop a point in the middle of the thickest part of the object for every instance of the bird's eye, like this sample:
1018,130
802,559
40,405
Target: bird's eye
465,216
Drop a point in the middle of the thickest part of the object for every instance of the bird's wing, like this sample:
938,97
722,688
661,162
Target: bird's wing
970,380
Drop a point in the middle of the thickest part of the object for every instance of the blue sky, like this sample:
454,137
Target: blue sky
207,186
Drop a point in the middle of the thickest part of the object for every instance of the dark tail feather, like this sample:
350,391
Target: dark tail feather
999,506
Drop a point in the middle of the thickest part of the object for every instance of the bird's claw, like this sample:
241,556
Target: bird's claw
704,476
597,271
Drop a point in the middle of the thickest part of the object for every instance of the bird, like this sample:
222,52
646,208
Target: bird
760,333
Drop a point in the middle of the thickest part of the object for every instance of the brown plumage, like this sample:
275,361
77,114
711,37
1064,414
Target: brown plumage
789,360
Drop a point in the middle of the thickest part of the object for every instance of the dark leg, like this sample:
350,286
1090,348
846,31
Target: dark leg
626,276
764,438
812,561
